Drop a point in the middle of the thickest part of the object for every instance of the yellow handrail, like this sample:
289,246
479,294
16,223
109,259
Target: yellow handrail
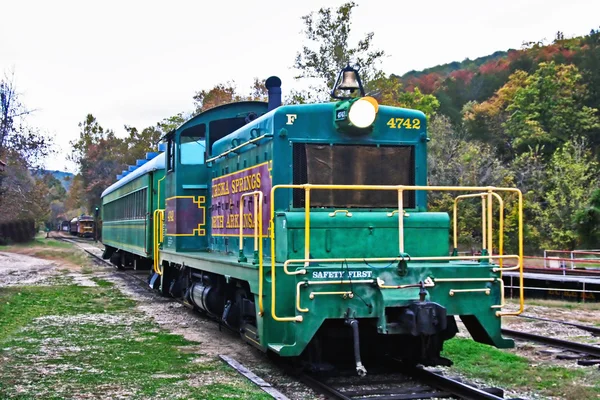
483,218
307,283
258,244
158,236
399,188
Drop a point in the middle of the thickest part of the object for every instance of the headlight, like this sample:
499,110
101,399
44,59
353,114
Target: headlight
363,112
356,115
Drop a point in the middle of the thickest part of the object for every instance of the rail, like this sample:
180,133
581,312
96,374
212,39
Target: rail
400,189
257,216
563,344
158,222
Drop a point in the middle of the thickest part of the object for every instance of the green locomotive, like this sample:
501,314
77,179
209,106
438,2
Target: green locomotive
305,228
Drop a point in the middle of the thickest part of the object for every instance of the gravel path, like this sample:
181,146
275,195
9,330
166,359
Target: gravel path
18,269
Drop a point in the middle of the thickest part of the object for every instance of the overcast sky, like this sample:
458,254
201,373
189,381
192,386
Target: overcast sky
137,62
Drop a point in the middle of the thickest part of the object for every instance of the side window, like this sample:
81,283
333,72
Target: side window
170,154
193,145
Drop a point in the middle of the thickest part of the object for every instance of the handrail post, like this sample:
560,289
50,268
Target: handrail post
261,309
241,256
500,230
162,226
256,232
490,235
455,224
306,224
158,225
257,197
483,223
401,221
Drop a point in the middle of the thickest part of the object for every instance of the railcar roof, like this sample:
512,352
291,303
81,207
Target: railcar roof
156,163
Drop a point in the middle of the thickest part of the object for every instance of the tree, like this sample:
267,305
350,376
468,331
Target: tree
587,221
389,91
100,156
18,139
22,147
225,93
222,93
139,143
329,50
75,199
572,177
485,121
454,161
171,123
549,109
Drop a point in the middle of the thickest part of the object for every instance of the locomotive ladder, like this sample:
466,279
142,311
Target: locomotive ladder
487,193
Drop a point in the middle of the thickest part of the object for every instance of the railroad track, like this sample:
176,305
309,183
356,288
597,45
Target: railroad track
407,384
594,330
584,349
410,383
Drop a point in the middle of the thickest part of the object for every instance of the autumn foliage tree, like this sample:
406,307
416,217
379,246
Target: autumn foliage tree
22,148
101,155
225,93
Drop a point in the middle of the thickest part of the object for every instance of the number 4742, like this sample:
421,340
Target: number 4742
399,123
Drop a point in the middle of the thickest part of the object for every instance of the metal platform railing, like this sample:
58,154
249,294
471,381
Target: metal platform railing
486,192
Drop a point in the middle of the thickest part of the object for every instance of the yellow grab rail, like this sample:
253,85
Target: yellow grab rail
307,283
486,218
158,221
258,243
333,214
489,190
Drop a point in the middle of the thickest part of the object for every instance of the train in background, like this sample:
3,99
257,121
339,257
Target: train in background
64,226
305,228
82,226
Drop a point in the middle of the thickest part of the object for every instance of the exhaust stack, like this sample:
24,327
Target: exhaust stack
273,85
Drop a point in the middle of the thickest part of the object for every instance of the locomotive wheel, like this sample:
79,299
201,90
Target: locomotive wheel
117,259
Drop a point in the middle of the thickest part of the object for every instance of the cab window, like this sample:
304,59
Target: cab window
193,145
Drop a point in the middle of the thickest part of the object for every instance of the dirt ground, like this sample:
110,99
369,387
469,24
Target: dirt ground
21,269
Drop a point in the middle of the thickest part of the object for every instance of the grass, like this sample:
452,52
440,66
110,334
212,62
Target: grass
508,370
38,241
64,341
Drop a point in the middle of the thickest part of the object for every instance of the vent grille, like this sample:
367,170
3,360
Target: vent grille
353,165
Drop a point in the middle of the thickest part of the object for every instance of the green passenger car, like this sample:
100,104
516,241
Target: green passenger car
127,210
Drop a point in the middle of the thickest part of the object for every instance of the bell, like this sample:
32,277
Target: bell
349,81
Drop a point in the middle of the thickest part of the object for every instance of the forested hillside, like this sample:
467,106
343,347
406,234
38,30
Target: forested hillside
527,118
